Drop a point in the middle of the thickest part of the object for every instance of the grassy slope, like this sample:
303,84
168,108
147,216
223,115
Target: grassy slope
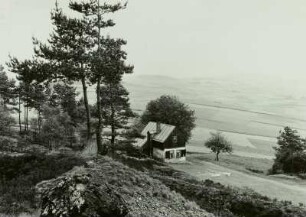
214,197
239,163
234,171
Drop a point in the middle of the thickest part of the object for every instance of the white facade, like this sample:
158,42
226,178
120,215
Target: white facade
174,154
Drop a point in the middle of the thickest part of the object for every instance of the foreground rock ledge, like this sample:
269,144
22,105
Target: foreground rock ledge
108,188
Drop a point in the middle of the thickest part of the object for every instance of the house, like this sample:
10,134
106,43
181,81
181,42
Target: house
162,142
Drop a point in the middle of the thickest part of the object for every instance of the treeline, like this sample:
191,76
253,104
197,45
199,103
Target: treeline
77,51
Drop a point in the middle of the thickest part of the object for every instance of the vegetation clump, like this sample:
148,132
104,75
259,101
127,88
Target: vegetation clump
20,174
290,156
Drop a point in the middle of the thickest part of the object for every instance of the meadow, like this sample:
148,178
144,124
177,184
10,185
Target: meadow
249,112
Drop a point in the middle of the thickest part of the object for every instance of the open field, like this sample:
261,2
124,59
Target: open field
250,113
234,173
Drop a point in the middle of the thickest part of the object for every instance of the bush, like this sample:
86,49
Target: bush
6,122
19,175
57,128
290,153
130,150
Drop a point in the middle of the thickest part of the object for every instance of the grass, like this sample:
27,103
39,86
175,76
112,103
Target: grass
19,175
214,197
239,163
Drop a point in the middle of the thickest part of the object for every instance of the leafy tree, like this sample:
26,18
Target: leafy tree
115,108
169,110
290,152
218,144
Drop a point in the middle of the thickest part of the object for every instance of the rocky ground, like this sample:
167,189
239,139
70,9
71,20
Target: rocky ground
108,188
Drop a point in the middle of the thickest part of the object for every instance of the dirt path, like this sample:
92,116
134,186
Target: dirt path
290,190
91,150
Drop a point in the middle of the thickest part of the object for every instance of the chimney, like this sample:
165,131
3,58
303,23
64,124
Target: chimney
158,129
150,144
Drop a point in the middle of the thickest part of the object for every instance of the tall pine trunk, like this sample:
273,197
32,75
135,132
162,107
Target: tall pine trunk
99,126
113,136
112,119
25,117
19,113
39,120
101,149
86,108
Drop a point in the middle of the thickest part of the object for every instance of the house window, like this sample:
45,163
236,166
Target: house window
167,154
174,139
171,154
178,154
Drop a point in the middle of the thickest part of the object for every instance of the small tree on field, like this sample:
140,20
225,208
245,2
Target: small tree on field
218,144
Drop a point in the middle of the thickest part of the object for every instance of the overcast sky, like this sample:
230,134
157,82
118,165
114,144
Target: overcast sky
184,38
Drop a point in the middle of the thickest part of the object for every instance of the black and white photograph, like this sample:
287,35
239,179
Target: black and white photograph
142,108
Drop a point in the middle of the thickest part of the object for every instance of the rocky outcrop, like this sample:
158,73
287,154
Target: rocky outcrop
108,188
77,195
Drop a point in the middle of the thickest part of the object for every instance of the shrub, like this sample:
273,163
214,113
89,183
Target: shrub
6,122
19,175
290,153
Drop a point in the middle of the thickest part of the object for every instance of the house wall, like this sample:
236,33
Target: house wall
169,142
161,155
158,153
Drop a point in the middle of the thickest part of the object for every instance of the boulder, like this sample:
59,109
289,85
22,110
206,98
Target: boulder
77,195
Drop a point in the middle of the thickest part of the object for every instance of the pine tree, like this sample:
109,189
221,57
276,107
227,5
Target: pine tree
23,69
31,91
68,52
115,108
289,150
7,90
108,60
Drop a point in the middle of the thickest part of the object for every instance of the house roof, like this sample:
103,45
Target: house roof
140,142
165,131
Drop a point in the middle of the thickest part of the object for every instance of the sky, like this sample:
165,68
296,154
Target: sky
265,38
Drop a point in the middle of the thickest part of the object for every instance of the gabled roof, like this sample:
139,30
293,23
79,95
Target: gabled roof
165,131
140,142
